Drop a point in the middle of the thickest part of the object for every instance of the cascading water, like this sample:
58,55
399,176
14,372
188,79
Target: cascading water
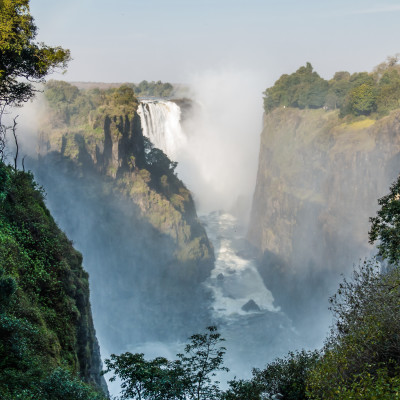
237,287
235,283
161,124
241,304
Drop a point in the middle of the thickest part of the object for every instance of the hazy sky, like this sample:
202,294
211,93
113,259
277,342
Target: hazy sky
170,40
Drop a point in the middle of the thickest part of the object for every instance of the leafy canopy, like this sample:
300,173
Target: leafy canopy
191,376
359,94
385,227
21,56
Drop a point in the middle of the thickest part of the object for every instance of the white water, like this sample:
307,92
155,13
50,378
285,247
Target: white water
235,280
236,286
161,124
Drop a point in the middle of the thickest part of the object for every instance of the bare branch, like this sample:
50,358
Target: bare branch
16,141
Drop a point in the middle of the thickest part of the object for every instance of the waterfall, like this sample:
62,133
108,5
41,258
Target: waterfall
235,283
160,121
240,303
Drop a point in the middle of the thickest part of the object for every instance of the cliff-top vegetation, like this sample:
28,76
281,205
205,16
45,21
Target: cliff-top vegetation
47,339
152,89
372,94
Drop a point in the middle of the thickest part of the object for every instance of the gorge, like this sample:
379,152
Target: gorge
154,280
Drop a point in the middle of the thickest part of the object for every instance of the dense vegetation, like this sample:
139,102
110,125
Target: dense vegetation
45,323
357,94
87,109
21,56
47,338
153,89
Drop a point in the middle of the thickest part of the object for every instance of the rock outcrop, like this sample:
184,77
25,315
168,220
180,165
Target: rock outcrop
318,182
133,219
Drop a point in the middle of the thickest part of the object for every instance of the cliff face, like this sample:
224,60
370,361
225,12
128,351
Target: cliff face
317,185
45,315
132,218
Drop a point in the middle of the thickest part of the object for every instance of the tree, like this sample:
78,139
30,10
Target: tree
142,379
385,227
188,377
338,89
302,89
23,62
287,376
363,350
21,56
243,390
124,95
202,358
362,99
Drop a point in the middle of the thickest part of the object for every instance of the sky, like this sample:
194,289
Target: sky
172,40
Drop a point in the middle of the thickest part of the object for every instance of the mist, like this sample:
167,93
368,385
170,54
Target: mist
219,161
315,220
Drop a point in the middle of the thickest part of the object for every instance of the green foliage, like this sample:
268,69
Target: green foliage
154,379
21,56
388,92
124,95
157,161
359,94
385,227
339,86
153,89
365,338
287,376
243,390
302,89
61,384
8,287
361,100
43,293
368,386
71,107
188,377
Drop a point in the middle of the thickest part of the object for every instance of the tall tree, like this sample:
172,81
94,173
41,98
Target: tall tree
22,60
191,376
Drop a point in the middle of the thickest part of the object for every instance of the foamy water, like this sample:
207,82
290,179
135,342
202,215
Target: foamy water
236,285
160,121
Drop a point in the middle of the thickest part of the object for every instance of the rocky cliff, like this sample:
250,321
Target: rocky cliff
132,218
318,182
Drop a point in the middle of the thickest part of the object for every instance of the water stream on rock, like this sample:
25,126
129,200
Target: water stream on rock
242,306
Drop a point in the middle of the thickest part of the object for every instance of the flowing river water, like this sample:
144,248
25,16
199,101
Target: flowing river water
242,306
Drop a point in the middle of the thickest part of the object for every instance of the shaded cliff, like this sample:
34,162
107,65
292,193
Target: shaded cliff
45,315
129,214
317,185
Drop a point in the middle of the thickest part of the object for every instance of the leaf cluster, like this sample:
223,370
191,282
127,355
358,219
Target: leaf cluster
359,94
70,106
385,227
20,56
43,294
153,89
364,345
190,376
283,378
